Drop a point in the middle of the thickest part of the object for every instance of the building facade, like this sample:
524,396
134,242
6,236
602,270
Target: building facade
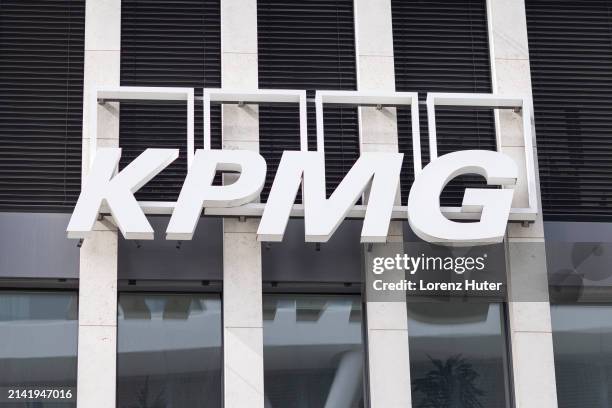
226,320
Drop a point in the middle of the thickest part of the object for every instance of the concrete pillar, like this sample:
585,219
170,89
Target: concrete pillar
242,290
529,310
387,322
97,343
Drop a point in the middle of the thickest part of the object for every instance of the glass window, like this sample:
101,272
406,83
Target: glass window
582,337
457,355
38,342
169,351
313,352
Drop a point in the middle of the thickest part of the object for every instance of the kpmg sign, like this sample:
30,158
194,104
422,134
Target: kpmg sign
376,173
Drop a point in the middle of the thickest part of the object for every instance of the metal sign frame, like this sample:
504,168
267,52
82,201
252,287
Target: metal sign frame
519,104
348,98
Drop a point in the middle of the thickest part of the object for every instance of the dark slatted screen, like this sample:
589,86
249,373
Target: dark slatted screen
167,43
307,45
442,46
570,45
41,99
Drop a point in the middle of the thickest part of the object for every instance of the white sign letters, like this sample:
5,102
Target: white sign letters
198,191
376,174
322,216
103,186
425,217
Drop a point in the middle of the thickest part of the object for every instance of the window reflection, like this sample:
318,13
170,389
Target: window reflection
38,342
169,351
457,355
313,353
582,337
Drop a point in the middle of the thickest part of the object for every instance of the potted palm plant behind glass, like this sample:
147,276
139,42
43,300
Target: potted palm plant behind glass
450,384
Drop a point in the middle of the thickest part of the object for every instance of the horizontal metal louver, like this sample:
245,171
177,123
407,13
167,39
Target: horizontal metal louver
442,46
570,50
168,43
41,100
307,45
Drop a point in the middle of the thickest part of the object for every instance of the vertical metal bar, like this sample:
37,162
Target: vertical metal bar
206,107
431,126
416,134
190,136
